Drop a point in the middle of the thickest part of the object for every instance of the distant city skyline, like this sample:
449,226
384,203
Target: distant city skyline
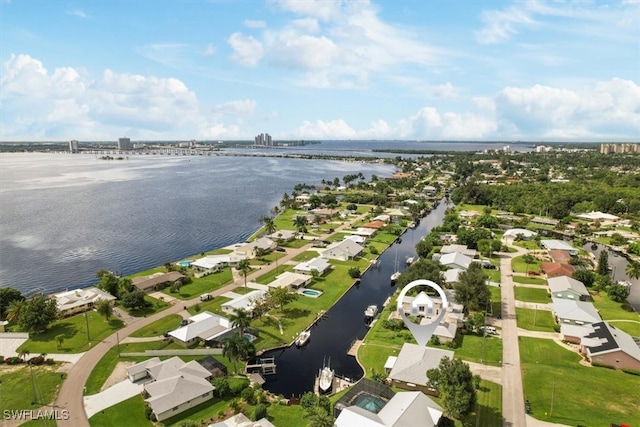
320,70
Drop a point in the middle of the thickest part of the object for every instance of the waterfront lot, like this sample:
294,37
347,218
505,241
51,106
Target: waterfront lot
611,310
74,331
535,320
563,391
202,285
532,295
159,327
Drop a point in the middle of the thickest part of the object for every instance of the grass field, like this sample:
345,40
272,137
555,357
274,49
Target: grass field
581,395
496,301
613,310
74,330
529,280
519,266
532,295
17,389
488,412
535,320
471,349
159,327
129,413
202,285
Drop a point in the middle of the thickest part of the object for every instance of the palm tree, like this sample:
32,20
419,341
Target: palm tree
240,319
319,417
14,309
269,226
244,266
232,349
633,270
300,223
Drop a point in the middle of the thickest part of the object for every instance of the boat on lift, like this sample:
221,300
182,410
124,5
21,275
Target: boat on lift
303,338
325,379
370,312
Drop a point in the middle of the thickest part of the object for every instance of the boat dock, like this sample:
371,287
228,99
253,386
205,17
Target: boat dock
267,366
353,351
338,384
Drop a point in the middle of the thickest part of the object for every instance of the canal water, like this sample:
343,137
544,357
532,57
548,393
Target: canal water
618,265
332,337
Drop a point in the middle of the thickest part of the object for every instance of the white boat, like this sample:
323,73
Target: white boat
303,338
395,276
325,378
410,260
371,311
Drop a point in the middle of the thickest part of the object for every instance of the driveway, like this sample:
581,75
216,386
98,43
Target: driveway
111,396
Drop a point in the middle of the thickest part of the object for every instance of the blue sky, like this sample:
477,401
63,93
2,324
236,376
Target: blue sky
320,69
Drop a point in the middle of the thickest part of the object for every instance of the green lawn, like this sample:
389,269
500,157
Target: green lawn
632,328
74,329
496,300
213,305
519,266
286,416
611,310
17,389
470,348
535,320
374,356
494,275
159,327
529,280
129,413
202,285
528,244
532,295
488,411
155,305
580,394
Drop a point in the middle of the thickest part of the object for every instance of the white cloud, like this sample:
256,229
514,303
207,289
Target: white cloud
445,91
244,107
501,25
249,23
77,13
246,49
334,129
209,50
321,9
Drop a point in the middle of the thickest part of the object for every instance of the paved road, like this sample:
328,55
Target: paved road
513,412
71,392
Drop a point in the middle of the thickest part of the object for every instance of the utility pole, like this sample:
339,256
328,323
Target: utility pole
118,341
86,318
33,384
535,314
553,392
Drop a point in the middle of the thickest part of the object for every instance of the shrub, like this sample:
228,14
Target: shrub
148,412
50,362
222,387
309,400
248,395
631,371
38,360
237,385
394,325
435,340
602,365
13,360
259,412
325,403
1,359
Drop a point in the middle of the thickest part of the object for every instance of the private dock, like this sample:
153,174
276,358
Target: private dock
267,366
339,383
353,351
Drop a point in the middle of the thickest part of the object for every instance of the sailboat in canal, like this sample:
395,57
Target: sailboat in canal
396,273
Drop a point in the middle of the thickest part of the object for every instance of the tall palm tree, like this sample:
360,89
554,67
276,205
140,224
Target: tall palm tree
300,223
104,307
269,226
633,270
240,319
244,266
319,417
232,349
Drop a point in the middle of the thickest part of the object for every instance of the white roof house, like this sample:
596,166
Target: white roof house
405,409
216,262
250,249
203,326
79,300
343,250
365,231
245,302
515,232
612,346
597,216
318,264
456,260
554,244
565,286
413,362
357,238
291,280
452,275
576,312
175,387
241,420
463,249
283,235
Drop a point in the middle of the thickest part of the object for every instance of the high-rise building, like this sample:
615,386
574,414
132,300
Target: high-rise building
263,139
124,144
73,146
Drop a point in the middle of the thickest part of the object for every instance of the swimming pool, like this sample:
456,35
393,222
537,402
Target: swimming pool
184,263
369,402
311,293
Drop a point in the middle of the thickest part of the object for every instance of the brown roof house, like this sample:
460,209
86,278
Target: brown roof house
156,281
608,345
554,269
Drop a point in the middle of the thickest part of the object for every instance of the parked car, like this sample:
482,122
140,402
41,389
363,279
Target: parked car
206,297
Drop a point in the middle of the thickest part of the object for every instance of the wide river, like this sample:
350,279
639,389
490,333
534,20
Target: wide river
64,217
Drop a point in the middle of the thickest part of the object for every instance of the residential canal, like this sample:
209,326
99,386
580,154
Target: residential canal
332,337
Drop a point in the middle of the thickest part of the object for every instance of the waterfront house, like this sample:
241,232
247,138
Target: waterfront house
409,369
283,235
343,250
212,263
252,249
575,312
567,288
204,327
456,260
241,420
406,408
382,218
318,264
79,300
365,232
550,222
156,281
289,279
560,256
554,244
604,218
463,249
359,239
376,224
173,386
608,345
245,302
